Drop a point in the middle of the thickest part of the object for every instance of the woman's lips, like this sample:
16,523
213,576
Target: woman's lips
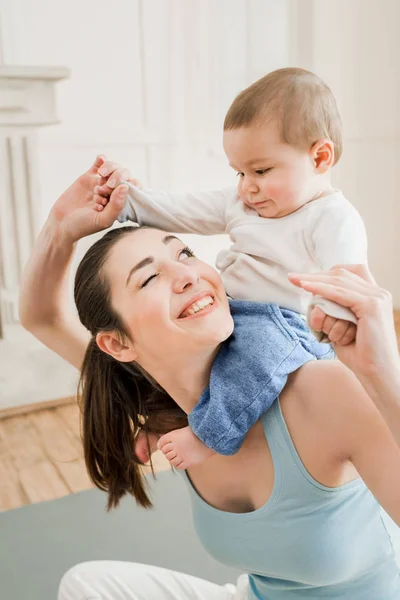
203,312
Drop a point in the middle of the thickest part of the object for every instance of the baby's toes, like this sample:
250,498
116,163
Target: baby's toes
170,454
183,465
176,462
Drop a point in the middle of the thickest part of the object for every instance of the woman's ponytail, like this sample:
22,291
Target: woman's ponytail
117,399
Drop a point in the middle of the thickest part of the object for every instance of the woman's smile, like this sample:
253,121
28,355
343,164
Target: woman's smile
202,303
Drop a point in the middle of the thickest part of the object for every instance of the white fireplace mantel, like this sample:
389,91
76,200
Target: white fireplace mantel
27,101
29,372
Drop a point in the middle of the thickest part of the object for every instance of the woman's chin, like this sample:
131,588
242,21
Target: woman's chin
220,329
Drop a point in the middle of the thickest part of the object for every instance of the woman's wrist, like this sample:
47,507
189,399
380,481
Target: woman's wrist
56,233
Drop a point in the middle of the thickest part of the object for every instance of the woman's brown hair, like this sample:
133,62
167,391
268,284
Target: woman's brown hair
117,399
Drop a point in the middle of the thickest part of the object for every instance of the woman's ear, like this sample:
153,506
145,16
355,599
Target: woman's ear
323,155
110,343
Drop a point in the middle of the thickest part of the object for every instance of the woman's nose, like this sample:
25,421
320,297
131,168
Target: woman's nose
183,277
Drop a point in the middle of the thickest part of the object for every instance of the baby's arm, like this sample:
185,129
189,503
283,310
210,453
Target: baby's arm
183,448
336,236
199,212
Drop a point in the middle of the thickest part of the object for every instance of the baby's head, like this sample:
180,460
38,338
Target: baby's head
282,135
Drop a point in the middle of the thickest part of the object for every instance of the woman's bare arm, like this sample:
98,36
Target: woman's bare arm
373,356
44,306
334,407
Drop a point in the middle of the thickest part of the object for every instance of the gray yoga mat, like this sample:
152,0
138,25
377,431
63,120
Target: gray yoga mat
38,543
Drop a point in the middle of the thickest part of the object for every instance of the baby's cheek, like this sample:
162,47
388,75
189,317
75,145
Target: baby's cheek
240,190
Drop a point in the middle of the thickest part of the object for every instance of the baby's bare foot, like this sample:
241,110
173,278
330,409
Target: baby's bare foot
183,448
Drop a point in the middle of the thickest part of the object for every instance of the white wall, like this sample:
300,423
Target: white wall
152,79
151,82
355,46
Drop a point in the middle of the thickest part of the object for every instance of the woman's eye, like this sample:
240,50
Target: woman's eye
148,280
189,253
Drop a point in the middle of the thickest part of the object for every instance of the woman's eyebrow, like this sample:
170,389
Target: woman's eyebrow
168,238
149,259
140,265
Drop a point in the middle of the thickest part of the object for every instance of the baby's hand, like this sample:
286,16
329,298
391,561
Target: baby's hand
183,448
112,174
338,331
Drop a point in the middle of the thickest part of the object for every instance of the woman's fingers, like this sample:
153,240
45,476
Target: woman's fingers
368,301
345,297
348,282
98,163
360,270
112,182
351,276
340,278
112,209
108,167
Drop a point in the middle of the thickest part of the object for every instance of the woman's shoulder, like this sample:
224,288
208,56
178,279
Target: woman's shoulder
322,404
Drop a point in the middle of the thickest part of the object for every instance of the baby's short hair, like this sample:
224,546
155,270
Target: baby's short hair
299,101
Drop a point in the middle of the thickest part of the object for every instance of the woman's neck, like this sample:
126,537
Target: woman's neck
186,381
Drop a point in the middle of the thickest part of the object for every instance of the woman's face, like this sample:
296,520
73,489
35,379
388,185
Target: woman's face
171,302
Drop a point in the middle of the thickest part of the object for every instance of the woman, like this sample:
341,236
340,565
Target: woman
289,507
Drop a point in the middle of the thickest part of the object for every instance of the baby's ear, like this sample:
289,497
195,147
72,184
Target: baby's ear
111,343
323,155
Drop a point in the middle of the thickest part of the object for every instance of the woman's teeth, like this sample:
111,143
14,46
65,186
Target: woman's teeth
197,306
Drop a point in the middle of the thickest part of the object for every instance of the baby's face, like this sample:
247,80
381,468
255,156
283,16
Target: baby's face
275,179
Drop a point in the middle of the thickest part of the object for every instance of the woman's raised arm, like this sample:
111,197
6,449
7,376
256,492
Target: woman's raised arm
373,356
44,306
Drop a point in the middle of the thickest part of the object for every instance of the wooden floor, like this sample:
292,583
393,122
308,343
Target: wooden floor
41,456
41,453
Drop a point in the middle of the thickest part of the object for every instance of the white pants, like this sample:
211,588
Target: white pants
117,580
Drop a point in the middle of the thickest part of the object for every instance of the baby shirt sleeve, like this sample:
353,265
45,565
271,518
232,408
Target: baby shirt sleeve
198,212
336,236
250,371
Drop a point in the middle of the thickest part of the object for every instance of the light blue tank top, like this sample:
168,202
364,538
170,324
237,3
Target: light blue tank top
308,541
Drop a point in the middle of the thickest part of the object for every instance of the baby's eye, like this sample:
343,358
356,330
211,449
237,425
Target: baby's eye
262,171
238,174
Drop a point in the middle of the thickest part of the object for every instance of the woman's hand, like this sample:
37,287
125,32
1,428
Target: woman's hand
81,210
373,354
112,174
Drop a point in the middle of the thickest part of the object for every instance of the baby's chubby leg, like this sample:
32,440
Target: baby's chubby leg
183,448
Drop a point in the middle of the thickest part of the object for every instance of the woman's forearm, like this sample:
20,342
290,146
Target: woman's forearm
45,310
44,288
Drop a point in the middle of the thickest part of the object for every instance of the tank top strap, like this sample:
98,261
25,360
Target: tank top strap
289,469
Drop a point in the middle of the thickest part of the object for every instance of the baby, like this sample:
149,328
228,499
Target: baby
282,136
